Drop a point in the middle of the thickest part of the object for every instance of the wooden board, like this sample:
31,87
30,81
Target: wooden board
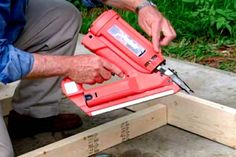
202,117
6,106
7,91
208,119
106,135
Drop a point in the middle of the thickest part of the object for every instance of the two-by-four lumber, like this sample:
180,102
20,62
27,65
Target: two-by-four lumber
105,136
208,119
6,93
205,118
6,106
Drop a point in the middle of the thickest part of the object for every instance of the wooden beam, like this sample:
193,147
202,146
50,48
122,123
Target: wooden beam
7,91
106,135
6,106
208,119
202,117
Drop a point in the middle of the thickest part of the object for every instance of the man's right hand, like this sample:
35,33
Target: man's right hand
90,69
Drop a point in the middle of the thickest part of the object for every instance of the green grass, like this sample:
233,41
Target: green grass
206,29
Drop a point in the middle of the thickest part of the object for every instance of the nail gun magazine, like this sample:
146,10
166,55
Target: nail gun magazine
146,76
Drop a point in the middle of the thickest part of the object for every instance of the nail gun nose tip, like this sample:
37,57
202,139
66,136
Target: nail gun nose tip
189,91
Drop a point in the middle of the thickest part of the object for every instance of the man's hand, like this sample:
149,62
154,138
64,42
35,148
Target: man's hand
91,69
150,20
154,24
88,69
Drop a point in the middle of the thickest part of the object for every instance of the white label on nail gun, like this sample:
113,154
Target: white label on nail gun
71,87
126,40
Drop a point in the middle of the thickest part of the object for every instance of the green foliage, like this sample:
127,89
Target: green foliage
192,52
230,66
209,14
191,18
197,18
78,4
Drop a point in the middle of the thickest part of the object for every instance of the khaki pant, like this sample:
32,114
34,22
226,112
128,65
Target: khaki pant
52,28
5,143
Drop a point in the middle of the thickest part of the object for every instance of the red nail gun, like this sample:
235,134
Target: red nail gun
146,78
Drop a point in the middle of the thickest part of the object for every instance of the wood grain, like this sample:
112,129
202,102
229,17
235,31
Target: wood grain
105,136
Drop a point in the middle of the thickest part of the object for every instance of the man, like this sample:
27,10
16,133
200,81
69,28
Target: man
37,43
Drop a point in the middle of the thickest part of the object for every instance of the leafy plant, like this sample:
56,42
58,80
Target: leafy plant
210,16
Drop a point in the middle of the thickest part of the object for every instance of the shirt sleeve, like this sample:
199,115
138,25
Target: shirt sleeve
14,63
92,3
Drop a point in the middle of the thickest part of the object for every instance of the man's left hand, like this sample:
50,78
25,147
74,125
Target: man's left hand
156,25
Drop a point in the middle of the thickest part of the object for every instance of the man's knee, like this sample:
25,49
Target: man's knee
69,16
59,26
66,26
50,24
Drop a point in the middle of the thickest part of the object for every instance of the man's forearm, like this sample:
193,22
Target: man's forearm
80,68
123,4
47,66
